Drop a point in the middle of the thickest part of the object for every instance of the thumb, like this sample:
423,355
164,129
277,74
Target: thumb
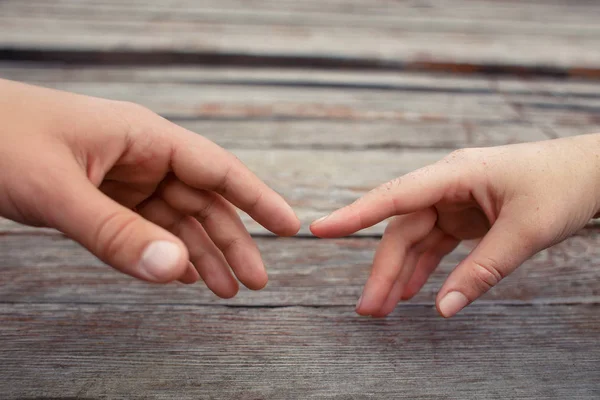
115,234
502,250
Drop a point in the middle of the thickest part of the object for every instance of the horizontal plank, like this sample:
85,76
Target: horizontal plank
306,272
89,351
277,101
481,32
480,108
554,11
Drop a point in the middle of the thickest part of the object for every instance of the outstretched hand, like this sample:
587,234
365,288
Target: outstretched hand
517,199
144,195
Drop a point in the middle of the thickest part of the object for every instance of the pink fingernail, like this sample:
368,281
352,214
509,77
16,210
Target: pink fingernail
452,303
159,259
359,302
321,219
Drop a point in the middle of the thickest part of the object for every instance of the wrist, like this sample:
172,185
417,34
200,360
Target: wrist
589,145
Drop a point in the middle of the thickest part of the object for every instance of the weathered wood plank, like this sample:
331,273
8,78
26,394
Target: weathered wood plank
488,111
302,272
167,352
518,33
554,11
48,72
275,101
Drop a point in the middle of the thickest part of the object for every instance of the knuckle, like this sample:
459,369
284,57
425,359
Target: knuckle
112,233
206,208
255,202
230,244
222,185
129,115
200,256
487,273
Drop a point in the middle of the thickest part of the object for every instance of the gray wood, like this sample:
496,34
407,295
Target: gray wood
50,269
70,327
183,352
420,98
441,111
520,33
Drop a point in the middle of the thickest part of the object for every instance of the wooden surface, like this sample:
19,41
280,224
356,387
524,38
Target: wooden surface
554,34
323,100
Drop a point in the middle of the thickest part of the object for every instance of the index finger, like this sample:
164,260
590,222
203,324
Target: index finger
202,164
413,192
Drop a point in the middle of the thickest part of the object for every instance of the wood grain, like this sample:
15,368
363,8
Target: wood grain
183,352
525,33
415,106
71,327
50,269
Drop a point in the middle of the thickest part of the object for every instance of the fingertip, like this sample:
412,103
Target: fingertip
452,303
321,229
360,310
380,314
226,294
224,289
334,225
163,261
258,283
327,232
362,313
318,221
410,292
367,309
314,229
248,266
292,227
282,222
441,313
407,296
190,276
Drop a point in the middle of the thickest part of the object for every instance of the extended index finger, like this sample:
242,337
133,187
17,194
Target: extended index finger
203,164
413,192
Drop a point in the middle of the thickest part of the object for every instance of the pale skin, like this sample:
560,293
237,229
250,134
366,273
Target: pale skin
158,202
516,200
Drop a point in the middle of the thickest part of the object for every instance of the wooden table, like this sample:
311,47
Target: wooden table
324,100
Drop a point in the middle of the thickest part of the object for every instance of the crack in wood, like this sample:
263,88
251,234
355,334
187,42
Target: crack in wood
175,57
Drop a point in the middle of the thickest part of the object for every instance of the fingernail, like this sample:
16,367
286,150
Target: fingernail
359,302
158,259
452,303
321,219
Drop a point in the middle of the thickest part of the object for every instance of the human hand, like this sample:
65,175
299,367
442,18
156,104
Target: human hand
150,198
517,199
